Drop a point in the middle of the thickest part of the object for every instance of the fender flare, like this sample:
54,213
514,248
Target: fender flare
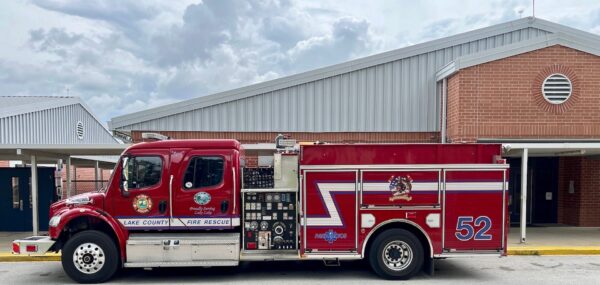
118,229
400,221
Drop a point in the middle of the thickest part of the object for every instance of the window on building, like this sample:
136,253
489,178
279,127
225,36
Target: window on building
16,195
203,171
557,88
143,171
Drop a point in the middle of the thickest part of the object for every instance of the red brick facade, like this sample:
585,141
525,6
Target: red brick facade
582,206
269,137
501,99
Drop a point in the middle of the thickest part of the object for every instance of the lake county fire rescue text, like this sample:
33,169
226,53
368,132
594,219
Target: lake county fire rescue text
180,203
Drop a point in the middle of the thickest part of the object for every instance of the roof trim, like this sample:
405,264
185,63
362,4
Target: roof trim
571,41
55,102
330,71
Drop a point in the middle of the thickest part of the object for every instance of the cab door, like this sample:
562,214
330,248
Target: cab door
204,190
145,203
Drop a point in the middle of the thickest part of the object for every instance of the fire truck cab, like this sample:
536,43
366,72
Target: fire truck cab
182,203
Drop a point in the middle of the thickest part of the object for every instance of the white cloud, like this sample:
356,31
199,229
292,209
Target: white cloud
125,56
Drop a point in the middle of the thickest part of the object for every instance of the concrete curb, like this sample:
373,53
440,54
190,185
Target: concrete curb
537,250
9,257
555,250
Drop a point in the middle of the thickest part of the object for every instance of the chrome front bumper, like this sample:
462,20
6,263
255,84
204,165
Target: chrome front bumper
32,246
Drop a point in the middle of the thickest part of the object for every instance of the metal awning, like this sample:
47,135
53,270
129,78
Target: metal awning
524,150
552,149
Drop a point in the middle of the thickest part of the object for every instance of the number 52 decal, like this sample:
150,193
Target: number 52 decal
465,228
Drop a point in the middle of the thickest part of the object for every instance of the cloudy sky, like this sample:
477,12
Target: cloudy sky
126,56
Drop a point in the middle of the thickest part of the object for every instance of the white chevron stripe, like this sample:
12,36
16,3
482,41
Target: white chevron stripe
334,218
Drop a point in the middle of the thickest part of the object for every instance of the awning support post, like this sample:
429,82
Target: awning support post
68,177
97,174
524,158
34,195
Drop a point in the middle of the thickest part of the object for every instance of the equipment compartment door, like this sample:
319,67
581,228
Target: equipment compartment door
474,210
330,210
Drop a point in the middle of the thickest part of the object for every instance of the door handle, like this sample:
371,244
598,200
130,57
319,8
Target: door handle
21,205
162,207
224,206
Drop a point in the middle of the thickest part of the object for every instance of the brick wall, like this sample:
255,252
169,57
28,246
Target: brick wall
501,99
569,169
581,208
269,137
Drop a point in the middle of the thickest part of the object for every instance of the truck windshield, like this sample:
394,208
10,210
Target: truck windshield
104,188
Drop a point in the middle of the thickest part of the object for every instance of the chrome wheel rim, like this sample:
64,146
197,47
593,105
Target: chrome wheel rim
89,258
397,255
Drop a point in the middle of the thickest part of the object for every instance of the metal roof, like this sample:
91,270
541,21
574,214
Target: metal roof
589,45
49,120
392,91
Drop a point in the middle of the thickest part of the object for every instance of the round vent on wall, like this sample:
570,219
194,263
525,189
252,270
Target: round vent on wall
557,88
80,131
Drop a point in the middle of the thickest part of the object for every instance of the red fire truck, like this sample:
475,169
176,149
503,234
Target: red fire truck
181,203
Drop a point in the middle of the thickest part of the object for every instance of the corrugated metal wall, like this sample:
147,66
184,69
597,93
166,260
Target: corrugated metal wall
53,126
398,96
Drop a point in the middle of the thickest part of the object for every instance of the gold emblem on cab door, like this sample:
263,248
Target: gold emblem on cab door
142,204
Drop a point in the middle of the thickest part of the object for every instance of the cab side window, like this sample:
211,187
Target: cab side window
143,171
203,171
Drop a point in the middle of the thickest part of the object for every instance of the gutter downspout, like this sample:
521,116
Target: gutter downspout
444,103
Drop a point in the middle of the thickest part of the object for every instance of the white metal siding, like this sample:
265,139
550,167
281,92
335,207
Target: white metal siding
396,96
53,126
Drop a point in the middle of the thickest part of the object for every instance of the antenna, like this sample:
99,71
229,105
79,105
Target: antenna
533,10
520,11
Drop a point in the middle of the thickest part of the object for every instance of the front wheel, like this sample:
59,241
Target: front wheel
90,257
396,254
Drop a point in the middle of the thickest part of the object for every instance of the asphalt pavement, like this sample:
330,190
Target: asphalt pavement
514,269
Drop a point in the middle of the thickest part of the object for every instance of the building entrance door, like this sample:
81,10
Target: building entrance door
15,198
542,190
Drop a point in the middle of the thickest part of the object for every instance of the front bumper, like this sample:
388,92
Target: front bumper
32,246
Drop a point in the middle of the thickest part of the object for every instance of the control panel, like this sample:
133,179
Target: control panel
258,177
269,220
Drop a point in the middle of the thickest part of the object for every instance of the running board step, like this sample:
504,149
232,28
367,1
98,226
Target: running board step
181,250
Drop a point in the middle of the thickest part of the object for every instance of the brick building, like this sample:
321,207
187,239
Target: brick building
529,84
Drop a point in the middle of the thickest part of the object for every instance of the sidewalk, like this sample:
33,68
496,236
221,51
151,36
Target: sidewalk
553,240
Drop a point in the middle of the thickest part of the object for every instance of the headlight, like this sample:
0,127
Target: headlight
54,221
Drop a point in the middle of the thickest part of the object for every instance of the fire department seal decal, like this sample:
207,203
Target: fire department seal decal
202,198
331,236
142,204
400,187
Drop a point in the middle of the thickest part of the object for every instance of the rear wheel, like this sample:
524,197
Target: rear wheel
90,257
396,254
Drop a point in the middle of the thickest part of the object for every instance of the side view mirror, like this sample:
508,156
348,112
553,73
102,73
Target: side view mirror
123,185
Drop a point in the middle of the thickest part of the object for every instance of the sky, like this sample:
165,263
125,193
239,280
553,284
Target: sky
126,56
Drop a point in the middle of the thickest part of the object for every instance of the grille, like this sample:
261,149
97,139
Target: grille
557,88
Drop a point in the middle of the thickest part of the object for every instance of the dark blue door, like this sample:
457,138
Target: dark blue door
15,198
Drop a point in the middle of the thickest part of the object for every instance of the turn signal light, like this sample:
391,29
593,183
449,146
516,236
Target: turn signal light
31,248
16,248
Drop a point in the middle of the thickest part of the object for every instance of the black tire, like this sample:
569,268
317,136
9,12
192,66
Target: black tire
399,244
98,270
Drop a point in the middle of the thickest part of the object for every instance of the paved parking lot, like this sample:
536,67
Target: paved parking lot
516,270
